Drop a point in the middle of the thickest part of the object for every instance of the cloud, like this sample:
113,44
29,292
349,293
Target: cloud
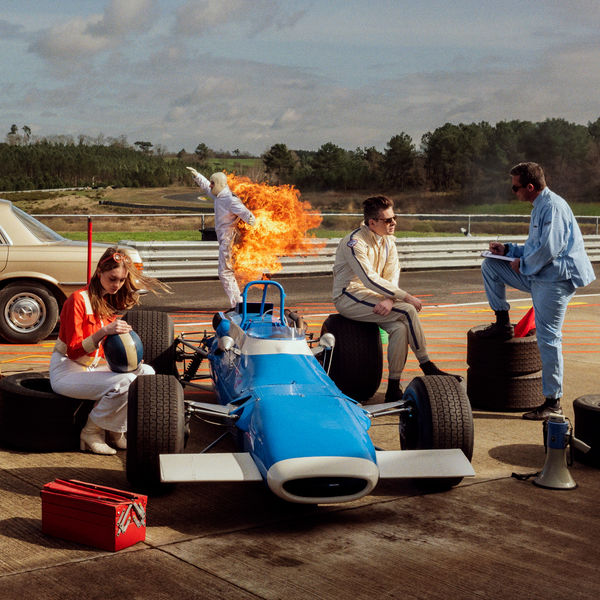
202,16
122,18
87,36
305,85
10,30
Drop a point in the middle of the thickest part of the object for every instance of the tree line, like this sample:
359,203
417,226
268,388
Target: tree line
470,160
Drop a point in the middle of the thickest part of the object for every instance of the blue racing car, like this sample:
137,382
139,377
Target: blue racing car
295,429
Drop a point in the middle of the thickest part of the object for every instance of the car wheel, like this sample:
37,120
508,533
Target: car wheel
587,427
157,332
155,425
35,419
516,356
440,417
489,391
28,313
357,359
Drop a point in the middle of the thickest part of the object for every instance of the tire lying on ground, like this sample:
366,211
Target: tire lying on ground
357,359
489,391
157,332
35,419
587,427
440,417
155,425
517,356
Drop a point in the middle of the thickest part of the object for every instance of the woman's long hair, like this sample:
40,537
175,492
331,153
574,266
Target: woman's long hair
128,295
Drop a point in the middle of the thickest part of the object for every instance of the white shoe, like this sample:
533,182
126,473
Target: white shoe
91,439
117,439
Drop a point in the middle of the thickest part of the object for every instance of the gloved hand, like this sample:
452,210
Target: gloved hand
194,172
252,221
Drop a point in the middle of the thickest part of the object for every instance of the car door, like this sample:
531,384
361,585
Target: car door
3,249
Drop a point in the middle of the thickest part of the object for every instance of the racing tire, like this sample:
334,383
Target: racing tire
155,425
33,418
504,393
357,358
587,427
516,356
28,313
440,417
157,332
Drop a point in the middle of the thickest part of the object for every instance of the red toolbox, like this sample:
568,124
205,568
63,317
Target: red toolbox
92,514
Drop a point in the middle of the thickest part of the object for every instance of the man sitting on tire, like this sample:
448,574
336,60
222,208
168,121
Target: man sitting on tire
550,266
365,288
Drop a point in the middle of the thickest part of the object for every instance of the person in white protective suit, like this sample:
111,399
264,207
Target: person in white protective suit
228,209
366,276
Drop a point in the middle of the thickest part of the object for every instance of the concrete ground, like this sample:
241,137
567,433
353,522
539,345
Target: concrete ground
493,536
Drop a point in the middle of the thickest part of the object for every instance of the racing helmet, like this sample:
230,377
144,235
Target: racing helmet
123,351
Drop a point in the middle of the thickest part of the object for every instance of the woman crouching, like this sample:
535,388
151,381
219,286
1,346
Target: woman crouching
87,317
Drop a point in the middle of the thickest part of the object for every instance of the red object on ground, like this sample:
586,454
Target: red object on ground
91,514
526,324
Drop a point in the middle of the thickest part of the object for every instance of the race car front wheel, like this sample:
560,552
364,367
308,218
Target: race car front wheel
439,417
155,425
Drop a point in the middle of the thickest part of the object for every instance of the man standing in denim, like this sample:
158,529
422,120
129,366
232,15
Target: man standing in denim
550,266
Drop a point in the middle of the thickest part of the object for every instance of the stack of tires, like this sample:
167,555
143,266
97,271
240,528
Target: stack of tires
503,375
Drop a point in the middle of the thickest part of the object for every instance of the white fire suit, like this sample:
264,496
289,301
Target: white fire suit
367,271
228,208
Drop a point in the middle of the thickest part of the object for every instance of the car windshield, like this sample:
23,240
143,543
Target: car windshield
43,233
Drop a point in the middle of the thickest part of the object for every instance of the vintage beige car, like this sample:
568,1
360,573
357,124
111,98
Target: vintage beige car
39,269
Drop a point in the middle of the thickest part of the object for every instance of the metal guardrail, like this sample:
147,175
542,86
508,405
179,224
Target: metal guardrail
198,260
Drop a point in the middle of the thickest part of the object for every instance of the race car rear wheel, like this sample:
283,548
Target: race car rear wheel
157,332
155,425
357,358
440,417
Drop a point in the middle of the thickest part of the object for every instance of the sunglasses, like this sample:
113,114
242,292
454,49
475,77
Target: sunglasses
388,221
516,188
118,257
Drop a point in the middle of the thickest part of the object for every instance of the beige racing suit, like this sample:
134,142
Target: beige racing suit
367,271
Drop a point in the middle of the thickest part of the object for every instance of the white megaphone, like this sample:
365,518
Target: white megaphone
555,474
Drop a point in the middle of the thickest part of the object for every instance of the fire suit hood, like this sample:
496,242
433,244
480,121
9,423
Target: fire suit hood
220,182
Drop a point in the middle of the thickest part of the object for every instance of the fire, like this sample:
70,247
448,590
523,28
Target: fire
282,223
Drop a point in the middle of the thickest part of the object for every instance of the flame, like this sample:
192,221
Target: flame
282,223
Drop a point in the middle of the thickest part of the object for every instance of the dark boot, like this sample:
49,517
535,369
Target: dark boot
430,368
500,330
541,413
394,392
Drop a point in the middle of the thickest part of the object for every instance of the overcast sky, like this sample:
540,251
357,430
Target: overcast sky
246,74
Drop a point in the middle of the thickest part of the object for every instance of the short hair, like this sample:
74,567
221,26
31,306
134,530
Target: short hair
530,172
373,206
